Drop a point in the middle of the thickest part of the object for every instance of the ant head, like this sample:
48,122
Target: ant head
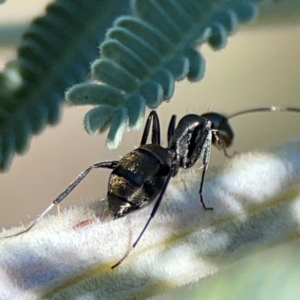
220,123
225,132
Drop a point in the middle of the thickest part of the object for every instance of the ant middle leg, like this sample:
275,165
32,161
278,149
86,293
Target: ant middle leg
171,127
221,144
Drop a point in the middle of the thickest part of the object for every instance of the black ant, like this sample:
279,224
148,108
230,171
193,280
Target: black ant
142,175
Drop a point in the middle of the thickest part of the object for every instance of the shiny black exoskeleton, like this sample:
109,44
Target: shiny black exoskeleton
137,179
143,175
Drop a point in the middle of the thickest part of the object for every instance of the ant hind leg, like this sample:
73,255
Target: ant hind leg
67,191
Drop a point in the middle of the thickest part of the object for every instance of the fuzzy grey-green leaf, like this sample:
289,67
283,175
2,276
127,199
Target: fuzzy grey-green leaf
179,67
246,11
140,46
228,19
113,74
197,67
118,125
124,57
98,118
152,12
95,94
136,107
167,81
218,38
175,12
153,93
159,41
145,53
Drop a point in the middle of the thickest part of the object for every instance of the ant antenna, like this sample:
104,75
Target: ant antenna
271,108
225,132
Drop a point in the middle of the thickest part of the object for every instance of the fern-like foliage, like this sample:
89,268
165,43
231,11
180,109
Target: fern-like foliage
54,54
144,54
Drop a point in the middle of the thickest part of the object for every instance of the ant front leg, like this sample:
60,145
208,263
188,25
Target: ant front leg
68,190
221,144
206,153
200,190
155,138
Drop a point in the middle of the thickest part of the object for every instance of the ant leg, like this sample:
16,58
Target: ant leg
171,127
146,130
200,190
206,154
155,138
221,144
67,191
153,212
223,148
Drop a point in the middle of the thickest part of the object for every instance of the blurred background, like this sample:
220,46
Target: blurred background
259,66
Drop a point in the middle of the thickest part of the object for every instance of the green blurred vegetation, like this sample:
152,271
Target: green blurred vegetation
280,12
270,275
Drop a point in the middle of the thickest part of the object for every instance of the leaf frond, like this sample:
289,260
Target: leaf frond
55,53
144,54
